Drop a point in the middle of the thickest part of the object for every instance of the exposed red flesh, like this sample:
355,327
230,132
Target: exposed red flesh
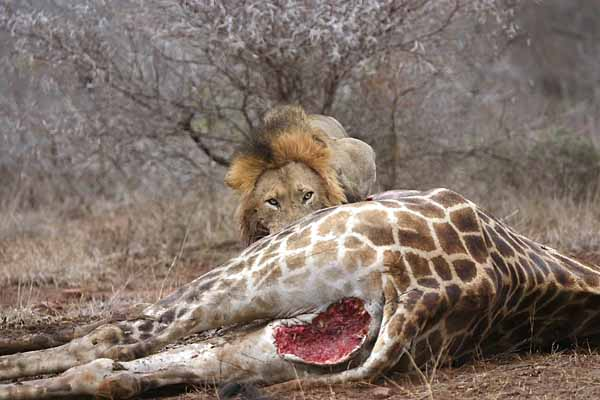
330,338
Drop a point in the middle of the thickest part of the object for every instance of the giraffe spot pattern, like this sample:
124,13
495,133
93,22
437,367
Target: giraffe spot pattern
418,265
561,276
268,272
428,210
204,286
258,246
412,298
167,317
409,329
295,261
539,263
477,248
396,326
353,243
394,265
299,240
485,218
547,296
499,263
501,245
431,301
146,326
182,312
591,278
193,296
389,204
522,279
442,268
510,238
464,220
532,276
358,253
465,270
238,288
449,239
428,283
515,298
423,352
334,224
239,267
413,232
369,226
448,198
453,292
325,252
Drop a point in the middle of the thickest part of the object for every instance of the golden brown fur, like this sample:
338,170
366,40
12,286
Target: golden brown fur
284,162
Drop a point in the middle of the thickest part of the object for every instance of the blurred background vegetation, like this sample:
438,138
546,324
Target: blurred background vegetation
137,105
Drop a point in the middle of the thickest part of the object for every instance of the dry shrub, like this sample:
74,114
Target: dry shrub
565,222
553,161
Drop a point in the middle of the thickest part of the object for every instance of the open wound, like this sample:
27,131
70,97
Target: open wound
331,337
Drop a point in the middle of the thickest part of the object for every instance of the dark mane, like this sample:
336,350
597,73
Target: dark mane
275,122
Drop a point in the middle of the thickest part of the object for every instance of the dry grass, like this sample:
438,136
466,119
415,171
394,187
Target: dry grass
569,225
80,264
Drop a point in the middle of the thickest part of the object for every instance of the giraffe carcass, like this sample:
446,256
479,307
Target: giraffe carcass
346,293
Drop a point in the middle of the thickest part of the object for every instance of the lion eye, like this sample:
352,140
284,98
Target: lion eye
273,202
307,196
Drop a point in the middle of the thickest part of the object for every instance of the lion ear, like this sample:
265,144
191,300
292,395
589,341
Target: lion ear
243,173
331,126
352,159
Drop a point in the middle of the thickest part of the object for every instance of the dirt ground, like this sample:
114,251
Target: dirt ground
45,285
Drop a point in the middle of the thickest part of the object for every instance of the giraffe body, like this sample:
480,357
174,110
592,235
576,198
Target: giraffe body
409,277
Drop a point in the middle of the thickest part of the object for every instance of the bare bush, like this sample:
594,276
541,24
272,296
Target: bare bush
142,80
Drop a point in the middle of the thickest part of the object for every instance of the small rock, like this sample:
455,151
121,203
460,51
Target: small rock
381,393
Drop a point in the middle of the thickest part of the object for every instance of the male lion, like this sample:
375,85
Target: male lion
296,164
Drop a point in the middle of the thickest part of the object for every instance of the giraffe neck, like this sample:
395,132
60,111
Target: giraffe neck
302,269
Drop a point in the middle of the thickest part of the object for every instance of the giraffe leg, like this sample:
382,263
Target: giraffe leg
39,341
79,381
279,351
114,341
244,355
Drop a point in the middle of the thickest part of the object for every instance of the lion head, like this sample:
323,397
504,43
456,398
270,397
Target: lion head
291,167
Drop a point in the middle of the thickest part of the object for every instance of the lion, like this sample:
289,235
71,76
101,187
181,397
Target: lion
293,165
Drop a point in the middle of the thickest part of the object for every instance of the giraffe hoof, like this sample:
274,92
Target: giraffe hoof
332,337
